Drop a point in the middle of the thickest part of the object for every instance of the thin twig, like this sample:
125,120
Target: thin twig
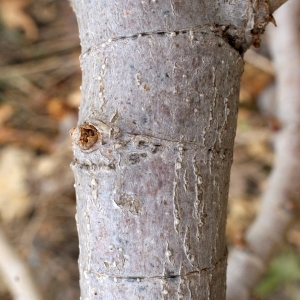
16,273
280,199
47,64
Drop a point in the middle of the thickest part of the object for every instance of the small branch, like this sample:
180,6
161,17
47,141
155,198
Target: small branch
259,61
15,273
47,64
279,201
275,4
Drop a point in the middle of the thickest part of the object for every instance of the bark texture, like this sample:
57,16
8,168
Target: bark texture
153,146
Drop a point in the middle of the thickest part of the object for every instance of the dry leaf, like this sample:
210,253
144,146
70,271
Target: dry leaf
74,99
14,17
6,111
56,108
14,199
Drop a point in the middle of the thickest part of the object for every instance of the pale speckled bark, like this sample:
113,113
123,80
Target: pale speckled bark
153,146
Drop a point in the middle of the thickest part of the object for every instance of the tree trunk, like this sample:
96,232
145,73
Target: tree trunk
154,141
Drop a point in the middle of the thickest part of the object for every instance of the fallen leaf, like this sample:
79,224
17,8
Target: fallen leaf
6,111
14,17
14,199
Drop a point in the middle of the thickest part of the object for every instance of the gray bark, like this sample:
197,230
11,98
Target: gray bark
154,141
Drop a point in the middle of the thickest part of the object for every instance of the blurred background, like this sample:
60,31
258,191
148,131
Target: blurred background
39,98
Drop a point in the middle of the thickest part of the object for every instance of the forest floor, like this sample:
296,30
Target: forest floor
39,98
